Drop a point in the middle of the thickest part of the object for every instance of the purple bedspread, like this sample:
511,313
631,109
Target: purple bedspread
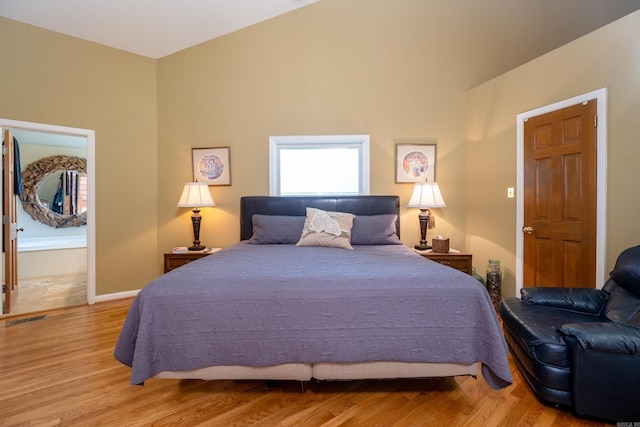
262,305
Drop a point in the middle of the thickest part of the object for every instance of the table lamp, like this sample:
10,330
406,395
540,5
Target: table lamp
196,195
426,195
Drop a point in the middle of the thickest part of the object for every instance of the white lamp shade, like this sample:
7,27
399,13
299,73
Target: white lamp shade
426,195
195,195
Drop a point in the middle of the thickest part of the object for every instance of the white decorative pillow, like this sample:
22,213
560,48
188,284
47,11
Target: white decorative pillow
323,228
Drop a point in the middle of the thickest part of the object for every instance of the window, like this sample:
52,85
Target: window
319,165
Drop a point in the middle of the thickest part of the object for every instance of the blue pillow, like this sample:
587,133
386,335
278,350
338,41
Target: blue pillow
375,230
276,229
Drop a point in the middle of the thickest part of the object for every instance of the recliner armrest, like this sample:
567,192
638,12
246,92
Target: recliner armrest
605,337
579,300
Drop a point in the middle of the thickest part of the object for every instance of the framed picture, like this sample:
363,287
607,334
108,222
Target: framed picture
415,160
211,165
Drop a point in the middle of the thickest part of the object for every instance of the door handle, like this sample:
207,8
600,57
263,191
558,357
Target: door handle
527,230
20,229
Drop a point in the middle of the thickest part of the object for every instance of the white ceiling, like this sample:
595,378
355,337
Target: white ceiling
152,28
156,28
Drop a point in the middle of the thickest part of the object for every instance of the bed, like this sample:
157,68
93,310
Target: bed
279,305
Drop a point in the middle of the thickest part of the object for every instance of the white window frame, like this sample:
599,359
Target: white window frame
276,143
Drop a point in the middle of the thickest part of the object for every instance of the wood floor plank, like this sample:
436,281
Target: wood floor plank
61,371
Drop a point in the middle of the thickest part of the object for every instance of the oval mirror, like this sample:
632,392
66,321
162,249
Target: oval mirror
54,191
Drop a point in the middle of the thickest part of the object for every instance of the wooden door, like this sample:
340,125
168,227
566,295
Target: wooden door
560,197
9,225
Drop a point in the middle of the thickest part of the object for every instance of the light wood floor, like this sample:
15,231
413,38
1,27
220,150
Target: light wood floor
61,371
51,292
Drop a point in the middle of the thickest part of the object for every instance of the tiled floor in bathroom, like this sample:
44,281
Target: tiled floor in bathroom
44,293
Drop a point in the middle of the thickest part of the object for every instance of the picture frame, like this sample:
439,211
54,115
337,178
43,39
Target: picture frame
212,165
415,160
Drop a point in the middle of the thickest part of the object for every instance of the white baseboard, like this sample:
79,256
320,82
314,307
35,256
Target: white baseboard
30,244
117,295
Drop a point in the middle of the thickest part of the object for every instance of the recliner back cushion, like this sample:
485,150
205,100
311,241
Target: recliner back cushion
626,273
623,306
624,288
635,320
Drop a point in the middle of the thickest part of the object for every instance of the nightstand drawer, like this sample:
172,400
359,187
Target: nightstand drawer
173,261
459,261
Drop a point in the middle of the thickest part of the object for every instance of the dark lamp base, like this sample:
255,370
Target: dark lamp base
422,247
197,248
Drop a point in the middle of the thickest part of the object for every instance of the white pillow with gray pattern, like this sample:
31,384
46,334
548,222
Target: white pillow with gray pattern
326,228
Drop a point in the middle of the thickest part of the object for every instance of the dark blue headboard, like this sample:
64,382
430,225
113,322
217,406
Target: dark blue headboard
296,206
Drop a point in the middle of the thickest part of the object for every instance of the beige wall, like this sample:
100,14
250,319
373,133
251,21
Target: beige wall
388,69
54,79
607,58
51,262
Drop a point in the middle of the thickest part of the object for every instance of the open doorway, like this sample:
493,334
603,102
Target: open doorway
46,250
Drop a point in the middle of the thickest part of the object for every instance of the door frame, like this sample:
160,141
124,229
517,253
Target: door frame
90,137
601,180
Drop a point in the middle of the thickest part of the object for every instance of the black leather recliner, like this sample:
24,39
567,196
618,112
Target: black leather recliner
580,347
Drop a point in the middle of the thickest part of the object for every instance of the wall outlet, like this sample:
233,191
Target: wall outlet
510,193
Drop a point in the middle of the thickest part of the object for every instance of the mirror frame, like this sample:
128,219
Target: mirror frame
31,178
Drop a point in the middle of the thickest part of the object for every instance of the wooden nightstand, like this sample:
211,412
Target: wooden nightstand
172,261
457,260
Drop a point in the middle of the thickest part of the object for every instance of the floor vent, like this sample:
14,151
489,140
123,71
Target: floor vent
25,320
